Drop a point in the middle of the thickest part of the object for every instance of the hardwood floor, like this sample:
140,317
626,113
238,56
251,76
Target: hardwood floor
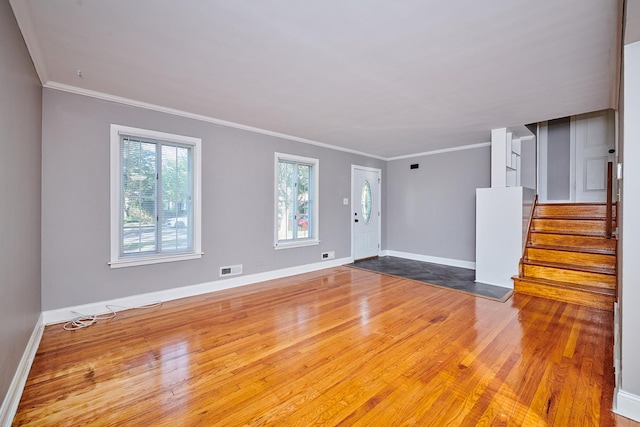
337,347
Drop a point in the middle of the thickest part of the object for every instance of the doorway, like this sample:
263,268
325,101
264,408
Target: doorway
365,212
573,157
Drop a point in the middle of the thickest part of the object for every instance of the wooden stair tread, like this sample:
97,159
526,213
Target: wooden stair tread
586,224
573,207
579,204
572,217
574,240
583,261
580,249
563,266
544,271
571,232
568,285
572,293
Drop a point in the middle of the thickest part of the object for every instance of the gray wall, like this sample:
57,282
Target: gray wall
20,127
237,202
431,210
559,159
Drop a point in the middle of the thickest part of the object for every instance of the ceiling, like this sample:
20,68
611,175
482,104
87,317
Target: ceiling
632,24
381,77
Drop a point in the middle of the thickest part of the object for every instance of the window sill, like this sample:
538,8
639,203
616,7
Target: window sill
132,262
298,244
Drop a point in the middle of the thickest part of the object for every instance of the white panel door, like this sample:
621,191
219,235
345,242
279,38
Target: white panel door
366,212
595,136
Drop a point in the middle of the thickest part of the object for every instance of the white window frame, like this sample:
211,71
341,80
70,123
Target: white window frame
314,189
195,144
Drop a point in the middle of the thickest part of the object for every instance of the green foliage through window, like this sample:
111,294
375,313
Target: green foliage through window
156,195
294,200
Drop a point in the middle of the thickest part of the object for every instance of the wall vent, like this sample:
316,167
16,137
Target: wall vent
231,270
328,255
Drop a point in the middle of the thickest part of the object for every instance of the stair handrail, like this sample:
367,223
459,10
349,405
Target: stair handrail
528,237
609,217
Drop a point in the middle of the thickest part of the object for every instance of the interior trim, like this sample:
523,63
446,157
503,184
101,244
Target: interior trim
65,314
434,259
444,150
180,113
133,103
627,405
12,398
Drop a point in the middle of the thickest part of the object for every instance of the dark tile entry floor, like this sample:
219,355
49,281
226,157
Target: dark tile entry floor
460,279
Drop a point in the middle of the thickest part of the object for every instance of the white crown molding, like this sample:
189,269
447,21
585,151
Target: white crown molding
65,314
132,102
25,23
444,150
12,398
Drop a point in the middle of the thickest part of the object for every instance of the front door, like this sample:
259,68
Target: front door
365,212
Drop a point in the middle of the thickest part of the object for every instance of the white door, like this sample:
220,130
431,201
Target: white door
594,139
582,150
365,198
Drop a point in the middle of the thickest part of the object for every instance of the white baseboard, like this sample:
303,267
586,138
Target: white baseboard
12,398
617,366
627,405
433,259
66,314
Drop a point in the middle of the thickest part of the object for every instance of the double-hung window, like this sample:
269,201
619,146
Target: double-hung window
296,201
155,197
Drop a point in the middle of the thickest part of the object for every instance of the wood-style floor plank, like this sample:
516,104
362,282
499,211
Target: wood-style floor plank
337,347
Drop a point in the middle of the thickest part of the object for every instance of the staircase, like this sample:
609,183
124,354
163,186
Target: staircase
568,257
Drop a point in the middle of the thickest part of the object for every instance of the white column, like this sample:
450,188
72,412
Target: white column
499,158
628,394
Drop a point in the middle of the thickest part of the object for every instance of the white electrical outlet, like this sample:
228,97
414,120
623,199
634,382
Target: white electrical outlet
345,201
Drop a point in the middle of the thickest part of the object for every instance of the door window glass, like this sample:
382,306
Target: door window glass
366,201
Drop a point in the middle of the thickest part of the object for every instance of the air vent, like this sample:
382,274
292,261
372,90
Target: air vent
328,255
231,270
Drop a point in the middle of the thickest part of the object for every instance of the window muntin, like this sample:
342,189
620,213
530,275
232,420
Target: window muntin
155,212
296,201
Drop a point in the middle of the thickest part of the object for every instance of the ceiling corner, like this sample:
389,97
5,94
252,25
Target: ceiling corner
22,13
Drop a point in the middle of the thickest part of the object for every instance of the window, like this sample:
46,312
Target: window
365,200
155,197
296,189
